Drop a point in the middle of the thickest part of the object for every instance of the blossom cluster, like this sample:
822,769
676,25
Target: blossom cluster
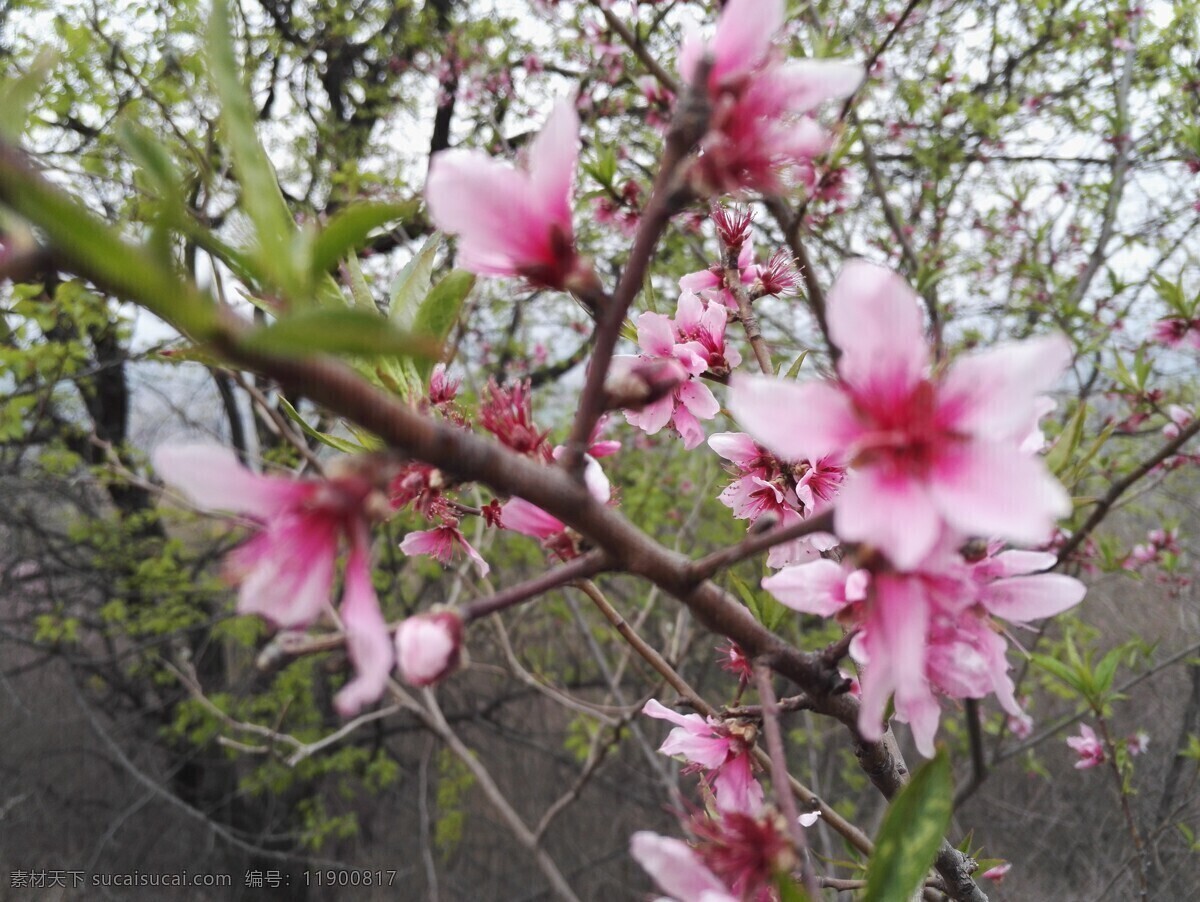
935,458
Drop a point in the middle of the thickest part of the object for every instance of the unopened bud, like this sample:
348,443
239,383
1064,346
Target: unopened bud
428,647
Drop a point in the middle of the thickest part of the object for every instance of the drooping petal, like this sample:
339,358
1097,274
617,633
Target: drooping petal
896,646
875,320
890,512
996,394
699,281
796,421
655,335
677,869
213,478
735,788
1017,562
991,489
286,573
689,428
368,641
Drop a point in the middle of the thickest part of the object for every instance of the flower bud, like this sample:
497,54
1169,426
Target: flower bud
428,647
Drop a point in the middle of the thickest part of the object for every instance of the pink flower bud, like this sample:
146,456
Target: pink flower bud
428,647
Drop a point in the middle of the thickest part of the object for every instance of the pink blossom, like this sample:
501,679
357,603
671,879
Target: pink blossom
677,869
998,873
714,746
1180,417
760,131
428,647
286,570
1088,747
513,222
925,451
690,401
711,283
1138,742
929,631
530,520
1174,331
440,543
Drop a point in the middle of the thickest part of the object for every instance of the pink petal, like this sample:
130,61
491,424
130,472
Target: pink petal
989,489
895,644
655,335
795,421
367,638
816,588
744,33
688,312
653,417
1024,598
735,788
688,427
520,516
552,159
875,320
677,869
480,564
1019,563
735,446
699,281
491,206
699,400
437,543
287,572
212,478
890,512
809,83
996,394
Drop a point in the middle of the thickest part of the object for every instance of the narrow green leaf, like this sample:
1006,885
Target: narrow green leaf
324,437
330,331
261,196
911,834
349,228
414,282
794,369
360,292
439,311
1063,451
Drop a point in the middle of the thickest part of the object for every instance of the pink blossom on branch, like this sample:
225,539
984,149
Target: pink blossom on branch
712,745
1088,747
441,543
286,570
760,133
510,221
677,869
925,450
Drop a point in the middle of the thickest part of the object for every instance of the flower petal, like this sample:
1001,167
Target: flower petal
875,320
213,478
991,489
677,869
1023,598
817,588
889,511
796,421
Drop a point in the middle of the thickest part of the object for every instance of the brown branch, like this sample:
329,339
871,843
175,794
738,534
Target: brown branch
757,543
580,568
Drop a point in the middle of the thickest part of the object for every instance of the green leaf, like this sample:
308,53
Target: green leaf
17,95
794,369
789,891
330,331
348,229
1063,451
260,196
414,282
911,834
439,311
324,437
360,292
